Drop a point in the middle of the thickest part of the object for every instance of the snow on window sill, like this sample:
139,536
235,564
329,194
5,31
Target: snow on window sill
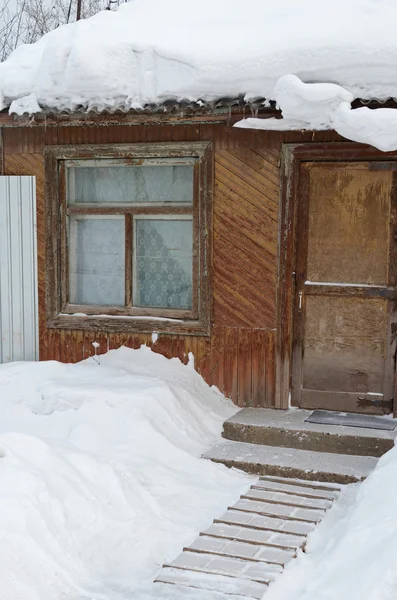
129,324
126,317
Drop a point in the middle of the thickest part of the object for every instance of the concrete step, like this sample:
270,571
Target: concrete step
292,463
288,429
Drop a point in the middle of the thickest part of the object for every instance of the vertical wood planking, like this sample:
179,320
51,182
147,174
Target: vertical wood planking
203,364
244,365
270,371
180,348
76,346
88,338
259,347
217,356
231,362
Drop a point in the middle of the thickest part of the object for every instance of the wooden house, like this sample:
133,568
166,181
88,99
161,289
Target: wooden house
271,256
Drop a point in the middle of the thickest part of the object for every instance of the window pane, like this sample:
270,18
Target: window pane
146,183
164,260
96,261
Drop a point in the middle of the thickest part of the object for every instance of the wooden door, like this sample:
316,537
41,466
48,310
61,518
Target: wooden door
344,304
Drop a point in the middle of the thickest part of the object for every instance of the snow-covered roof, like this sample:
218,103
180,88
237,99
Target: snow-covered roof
150,51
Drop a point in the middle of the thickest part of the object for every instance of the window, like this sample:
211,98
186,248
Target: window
133,245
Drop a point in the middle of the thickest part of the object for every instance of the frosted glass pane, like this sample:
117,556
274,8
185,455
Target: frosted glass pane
140,184
96,255
164,261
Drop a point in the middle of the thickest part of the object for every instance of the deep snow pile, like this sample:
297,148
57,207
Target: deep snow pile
101,478
352,554
152,50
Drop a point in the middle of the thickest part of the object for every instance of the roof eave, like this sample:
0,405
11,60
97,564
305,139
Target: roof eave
227,110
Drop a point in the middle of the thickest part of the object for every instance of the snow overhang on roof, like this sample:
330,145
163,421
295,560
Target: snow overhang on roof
311,58
151,50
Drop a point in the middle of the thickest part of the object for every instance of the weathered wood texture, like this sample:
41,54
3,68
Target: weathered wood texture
343,355
239,356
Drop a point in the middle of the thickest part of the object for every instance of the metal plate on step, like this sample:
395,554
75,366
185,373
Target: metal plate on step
328,417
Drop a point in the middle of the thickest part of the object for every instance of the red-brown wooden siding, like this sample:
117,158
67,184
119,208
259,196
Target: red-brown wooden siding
239,356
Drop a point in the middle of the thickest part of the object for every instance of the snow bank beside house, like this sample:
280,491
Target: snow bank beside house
352,554
101,479
150,50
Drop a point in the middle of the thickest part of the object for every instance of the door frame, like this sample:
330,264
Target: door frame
292,155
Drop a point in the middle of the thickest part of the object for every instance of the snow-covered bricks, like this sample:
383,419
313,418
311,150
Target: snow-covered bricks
151,50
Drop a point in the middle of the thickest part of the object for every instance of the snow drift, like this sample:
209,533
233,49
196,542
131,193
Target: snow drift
101,479
352,554
150,50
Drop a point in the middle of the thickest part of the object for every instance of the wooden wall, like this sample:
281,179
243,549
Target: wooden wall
239,357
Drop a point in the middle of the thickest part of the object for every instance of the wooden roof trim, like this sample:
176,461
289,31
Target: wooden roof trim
229,115
226,114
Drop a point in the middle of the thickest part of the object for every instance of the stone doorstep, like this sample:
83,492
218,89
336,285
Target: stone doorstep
292,463
288,429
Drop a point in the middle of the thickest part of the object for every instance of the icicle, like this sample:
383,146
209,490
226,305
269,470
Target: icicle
96,357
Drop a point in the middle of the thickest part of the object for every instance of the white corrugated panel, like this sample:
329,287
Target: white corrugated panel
18,270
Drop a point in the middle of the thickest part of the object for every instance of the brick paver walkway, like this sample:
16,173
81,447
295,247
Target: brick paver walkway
244,550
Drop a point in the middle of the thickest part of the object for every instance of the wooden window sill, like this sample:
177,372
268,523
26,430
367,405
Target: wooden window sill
129,323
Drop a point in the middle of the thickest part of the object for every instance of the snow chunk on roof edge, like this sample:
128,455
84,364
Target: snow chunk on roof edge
320,106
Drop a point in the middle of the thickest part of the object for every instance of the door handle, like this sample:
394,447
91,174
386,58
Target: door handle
300,300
